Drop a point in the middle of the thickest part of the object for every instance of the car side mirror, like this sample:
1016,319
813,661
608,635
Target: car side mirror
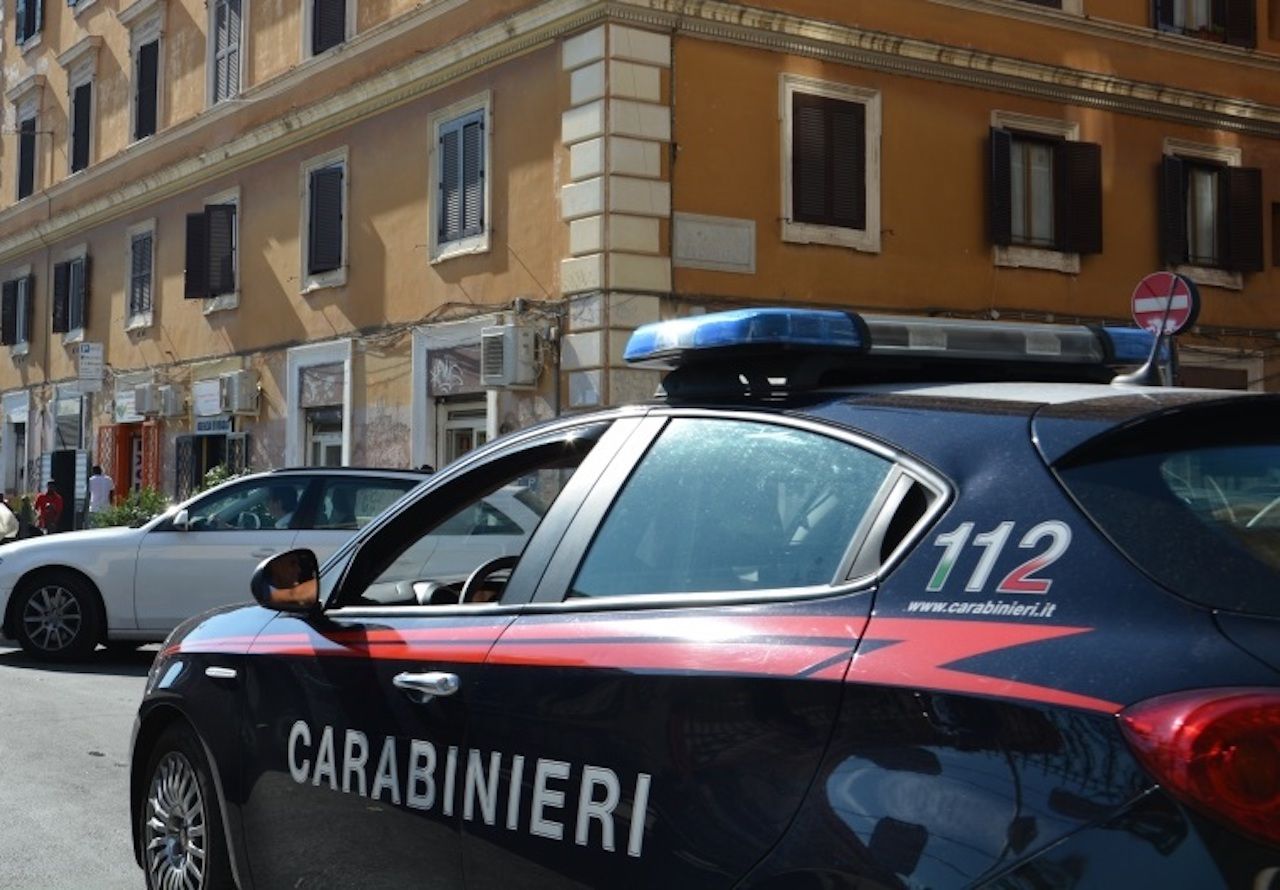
181,520
288,582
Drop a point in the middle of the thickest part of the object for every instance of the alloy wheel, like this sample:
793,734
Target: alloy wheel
52,618
175,838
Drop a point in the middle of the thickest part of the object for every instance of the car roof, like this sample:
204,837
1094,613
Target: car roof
351,471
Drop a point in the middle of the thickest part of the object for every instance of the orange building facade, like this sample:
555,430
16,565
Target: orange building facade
277,232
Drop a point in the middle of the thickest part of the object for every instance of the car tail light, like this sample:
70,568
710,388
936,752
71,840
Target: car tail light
1216,749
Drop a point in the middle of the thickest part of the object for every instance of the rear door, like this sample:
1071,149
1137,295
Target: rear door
339,505
359,743
663,705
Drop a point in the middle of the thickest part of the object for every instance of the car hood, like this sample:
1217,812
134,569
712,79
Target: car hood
68,544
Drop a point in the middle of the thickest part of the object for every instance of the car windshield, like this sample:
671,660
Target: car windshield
1194,500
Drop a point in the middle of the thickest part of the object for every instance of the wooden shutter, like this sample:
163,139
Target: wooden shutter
27,297
196,278
140,274
450,226
1241,22
148,90
226,49
9,313
27,157
82,108
1173,211
1078,196
220,224
1000,187
324,239
81,293
233,48
472,209
1244,219
328,24
828,161
61,297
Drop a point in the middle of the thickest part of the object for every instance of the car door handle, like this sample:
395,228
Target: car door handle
263,552
421,688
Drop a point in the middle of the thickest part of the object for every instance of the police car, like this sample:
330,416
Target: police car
857,602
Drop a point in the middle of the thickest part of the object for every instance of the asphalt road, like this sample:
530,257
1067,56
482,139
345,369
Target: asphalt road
64,770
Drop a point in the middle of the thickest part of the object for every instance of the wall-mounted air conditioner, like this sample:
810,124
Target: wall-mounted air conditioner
172,403
146,398
507,356
240,392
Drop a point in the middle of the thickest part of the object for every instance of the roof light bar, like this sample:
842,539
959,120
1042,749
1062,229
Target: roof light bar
704,339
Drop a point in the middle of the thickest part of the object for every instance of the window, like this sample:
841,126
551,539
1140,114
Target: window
1231,21
1210,210
352,503
1044,193
71,297
460,183
81,125
1275,233
15,312
141,275
80,61
28,17
424,556
328,24
212,246
324,206
146,93
718,505
224,49
264,504
831,164
26,156
324,436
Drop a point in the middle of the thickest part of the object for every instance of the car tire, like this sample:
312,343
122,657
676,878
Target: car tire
180,821
57,617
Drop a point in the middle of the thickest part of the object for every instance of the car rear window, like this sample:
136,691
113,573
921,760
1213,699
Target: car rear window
1192,497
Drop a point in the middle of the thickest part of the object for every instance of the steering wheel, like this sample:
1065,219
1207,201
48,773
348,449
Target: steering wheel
477,578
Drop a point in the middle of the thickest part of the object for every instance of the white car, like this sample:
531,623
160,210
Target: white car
61,595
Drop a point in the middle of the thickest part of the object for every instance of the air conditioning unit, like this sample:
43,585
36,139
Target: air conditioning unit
172,403
507,356
240,392
146,398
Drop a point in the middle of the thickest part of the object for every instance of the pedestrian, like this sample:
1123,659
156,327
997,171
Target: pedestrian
101,487
9,525
49,508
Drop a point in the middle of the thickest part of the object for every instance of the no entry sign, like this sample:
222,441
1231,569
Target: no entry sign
1165,303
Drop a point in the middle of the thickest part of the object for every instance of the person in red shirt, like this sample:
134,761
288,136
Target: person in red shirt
49,509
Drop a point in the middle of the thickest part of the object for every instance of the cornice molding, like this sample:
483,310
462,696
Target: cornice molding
33,84
548,21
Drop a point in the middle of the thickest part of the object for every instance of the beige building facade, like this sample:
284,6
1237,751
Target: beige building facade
279,232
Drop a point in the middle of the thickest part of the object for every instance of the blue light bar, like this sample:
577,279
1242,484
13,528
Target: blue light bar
1132,346
669,342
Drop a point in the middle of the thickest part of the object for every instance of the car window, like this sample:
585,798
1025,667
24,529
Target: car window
261,504
720,505
1194,500
351,503
426,553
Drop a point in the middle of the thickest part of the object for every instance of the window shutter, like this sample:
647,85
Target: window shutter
472,219
27,158
27,295
233,47
148,72
61,297
328,24
196,278
220,223
1000,187
1078,201
9,313
324,241
82,100
219,50
1244,218
19,21
1241,22
809,153
35,13
140,275
86,269
450,227
1164,13
848,140
1173,211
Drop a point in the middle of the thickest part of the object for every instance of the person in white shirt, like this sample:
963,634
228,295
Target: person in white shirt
8,522
100,488
282,500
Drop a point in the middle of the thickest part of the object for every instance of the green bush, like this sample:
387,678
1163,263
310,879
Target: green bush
140,505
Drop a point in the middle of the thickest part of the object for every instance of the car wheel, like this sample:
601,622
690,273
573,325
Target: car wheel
57,617
180,824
